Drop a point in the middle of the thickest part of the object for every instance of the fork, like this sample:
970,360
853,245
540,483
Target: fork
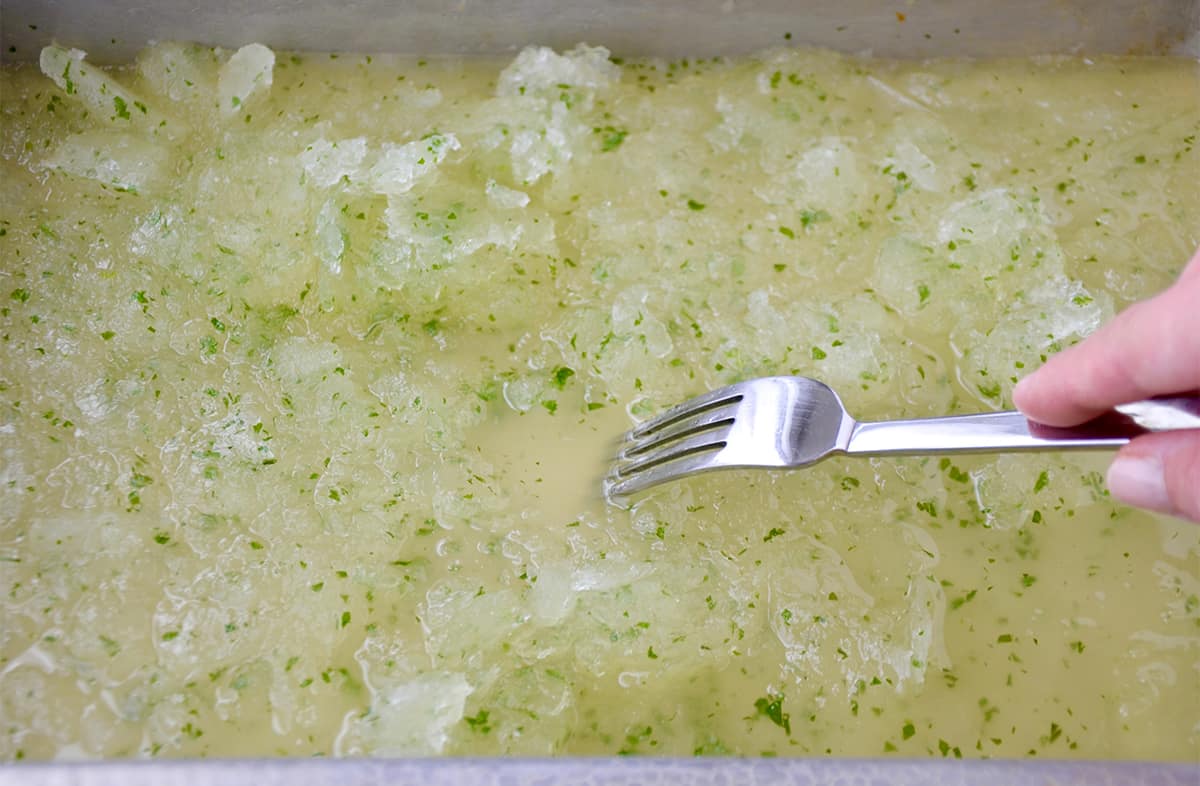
790,422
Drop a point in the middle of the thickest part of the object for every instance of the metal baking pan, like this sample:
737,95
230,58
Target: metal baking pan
114,30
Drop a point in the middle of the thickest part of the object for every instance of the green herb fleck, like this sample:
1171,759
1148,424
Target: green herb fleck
810,217
991,391
561,375
772,707
958,602
956,474
479,722
612,138
111,647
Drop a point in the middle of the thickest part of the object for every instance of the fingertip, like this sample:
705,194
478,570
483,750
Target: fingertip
1023,394
1160,472
1139,481
1040,398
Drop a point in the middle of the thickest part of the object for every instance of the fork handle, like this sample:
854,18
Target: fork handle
1010,431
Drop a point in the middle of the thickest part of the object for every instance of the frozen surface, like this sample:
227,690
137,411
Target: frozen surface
248,71
304,399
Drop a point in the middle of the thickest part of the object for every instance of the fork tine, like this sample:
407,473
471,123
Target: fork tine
704,442
618,487
707,420
716,398
681,441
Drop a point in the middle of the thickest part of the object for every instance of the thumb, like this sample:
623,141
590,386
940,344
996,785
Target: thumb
1160,472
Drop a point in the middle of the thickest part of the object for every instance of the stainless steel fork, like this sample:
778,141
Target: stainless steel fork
796,421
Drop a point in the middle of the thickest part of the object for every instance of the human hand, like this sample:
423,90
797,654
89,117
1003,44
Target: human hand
1150,349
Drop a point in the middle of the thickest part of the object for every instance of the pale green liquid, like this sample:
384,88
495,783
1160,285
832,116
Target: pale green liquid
291,466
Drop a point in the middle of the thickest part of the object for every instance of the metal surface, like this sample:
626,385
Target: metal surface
602,772
791,422
114,30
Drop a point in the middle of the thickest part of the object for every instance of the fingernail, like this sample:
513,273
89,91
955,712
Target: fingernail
1139,481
